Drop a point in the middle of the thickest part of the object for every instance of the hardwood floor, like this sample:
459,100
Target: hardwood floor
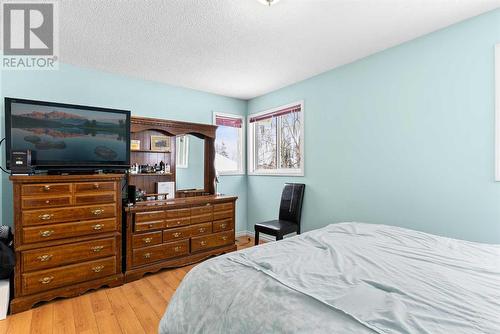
135,307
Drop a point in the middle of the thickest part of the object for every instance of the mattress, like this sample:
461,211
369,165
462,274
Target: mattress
344,278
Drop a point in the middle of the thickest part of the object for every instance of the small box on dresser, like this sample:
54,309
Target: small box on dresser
67,236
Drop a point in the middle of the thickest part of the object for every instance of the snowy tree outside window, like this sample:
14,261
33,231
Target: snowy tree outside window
229,144
276,141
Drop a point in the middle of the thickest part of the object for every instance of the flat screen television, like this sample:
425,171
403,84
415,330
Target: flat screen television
65,136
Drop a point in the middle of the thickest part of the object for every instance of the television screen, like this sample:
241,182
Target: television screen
62,135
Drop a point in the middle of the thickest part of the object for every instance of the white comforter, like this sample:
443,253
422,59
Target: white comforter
344,278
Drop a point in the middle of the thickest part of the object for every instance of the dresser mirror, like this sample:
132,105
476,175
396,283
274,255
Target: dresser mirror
190,163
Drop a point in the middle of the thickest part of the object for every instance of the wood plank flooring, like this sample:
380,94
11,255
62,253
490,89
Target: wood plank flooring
135,307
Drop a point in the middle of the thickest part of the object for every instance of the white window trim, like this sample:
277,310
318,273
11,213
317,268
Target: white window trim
251,145
241,170
185,163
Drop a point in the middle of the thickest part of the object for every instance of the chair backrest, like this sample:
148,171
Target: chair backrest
291,202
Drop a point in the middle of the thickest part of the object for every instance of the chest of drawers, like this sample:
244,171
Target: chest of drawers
67,236
179,232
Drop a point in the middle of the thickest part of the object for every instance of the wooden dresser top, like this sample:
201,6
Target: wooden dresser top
63,178
179,202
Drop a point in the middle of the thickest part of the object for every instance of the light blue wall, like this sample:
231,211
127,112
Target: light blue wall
404,137
90,87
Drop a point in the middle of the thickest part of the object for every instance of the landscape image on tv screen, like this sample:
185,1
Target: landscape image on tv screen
69,135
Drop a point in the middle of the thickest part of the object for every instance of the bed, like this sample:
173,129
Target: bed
344,278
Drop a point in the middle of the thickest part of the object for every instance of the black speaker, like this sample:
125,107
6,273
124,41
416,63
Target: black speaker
20,162
131,194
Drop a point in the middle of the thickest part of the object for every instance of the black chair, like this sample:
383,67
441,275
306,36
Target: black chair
290,212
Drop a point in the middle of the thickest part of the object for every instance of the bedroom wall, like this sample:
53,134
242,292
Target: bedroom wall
404,137
76,85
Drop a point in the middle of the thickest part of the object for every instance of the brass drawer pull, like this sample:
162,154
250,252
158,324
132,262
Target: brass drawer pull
177,249
97,249
203,243
178,222
98,227
223,225
177,234
208,204
150,225
97,269
46,233
147,240
47,202
97,212
46,188
224,238
46,280
147,255
46,216
45,258
96,185
202,229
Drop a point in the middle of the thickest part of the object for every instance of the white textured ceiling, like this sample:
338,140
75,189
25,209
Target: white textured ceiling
241,48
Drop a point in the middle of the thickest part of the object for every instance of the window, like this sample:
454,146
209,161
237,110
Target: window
229,144
276,141
182,147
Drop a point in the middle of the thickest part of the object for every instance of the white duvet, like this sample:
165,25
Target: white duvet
344,278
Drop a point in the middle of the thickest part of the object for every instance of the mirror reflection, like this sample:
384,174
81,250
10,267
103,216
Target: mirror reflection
189,164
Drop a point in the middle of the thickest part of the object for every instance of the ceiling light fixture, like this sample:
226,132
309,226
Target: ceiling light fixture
268,2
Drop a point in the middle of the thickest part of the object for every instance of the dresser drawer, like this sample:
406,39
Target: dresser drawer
46,189
160,252
50,257
149,216
200,210
47,216
147,226
223,225
67,230
177,213
146,239
223,214
177,222
212,241
202,218
45,201
200,229
95,198
53,278
94,187
175,234
223,206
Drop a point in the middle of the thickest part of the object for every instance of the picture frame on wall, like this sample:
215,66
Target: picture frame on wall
497,112
160,143
135,145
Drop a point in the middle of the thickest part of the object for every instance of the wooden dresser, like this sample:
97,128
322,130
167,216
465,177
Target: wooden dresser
178,232
67,236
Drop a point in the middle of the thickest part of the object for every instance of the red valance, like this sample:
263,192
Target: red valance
281,112
228,121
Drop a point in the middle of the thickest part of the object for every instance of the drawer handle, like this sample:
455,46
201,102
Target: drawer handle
47,202
98,227
202,229
147,240
46,280
46,188
224,238
46,233
177,249
97,269
97,249
223,225
203,243
97,212
208,204
150,225
147,255
177,234
178,222
46,216
45,258
96,185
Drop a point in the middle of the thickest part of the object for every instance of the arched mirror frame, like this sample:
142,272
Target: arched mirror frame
176,128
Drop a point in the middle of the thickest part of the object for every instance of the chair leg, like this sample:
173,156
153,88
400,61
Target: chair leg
279,237
256,237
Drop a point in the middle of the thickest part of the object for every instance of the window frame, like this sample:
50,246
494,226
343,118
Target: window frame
251,170
241,169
